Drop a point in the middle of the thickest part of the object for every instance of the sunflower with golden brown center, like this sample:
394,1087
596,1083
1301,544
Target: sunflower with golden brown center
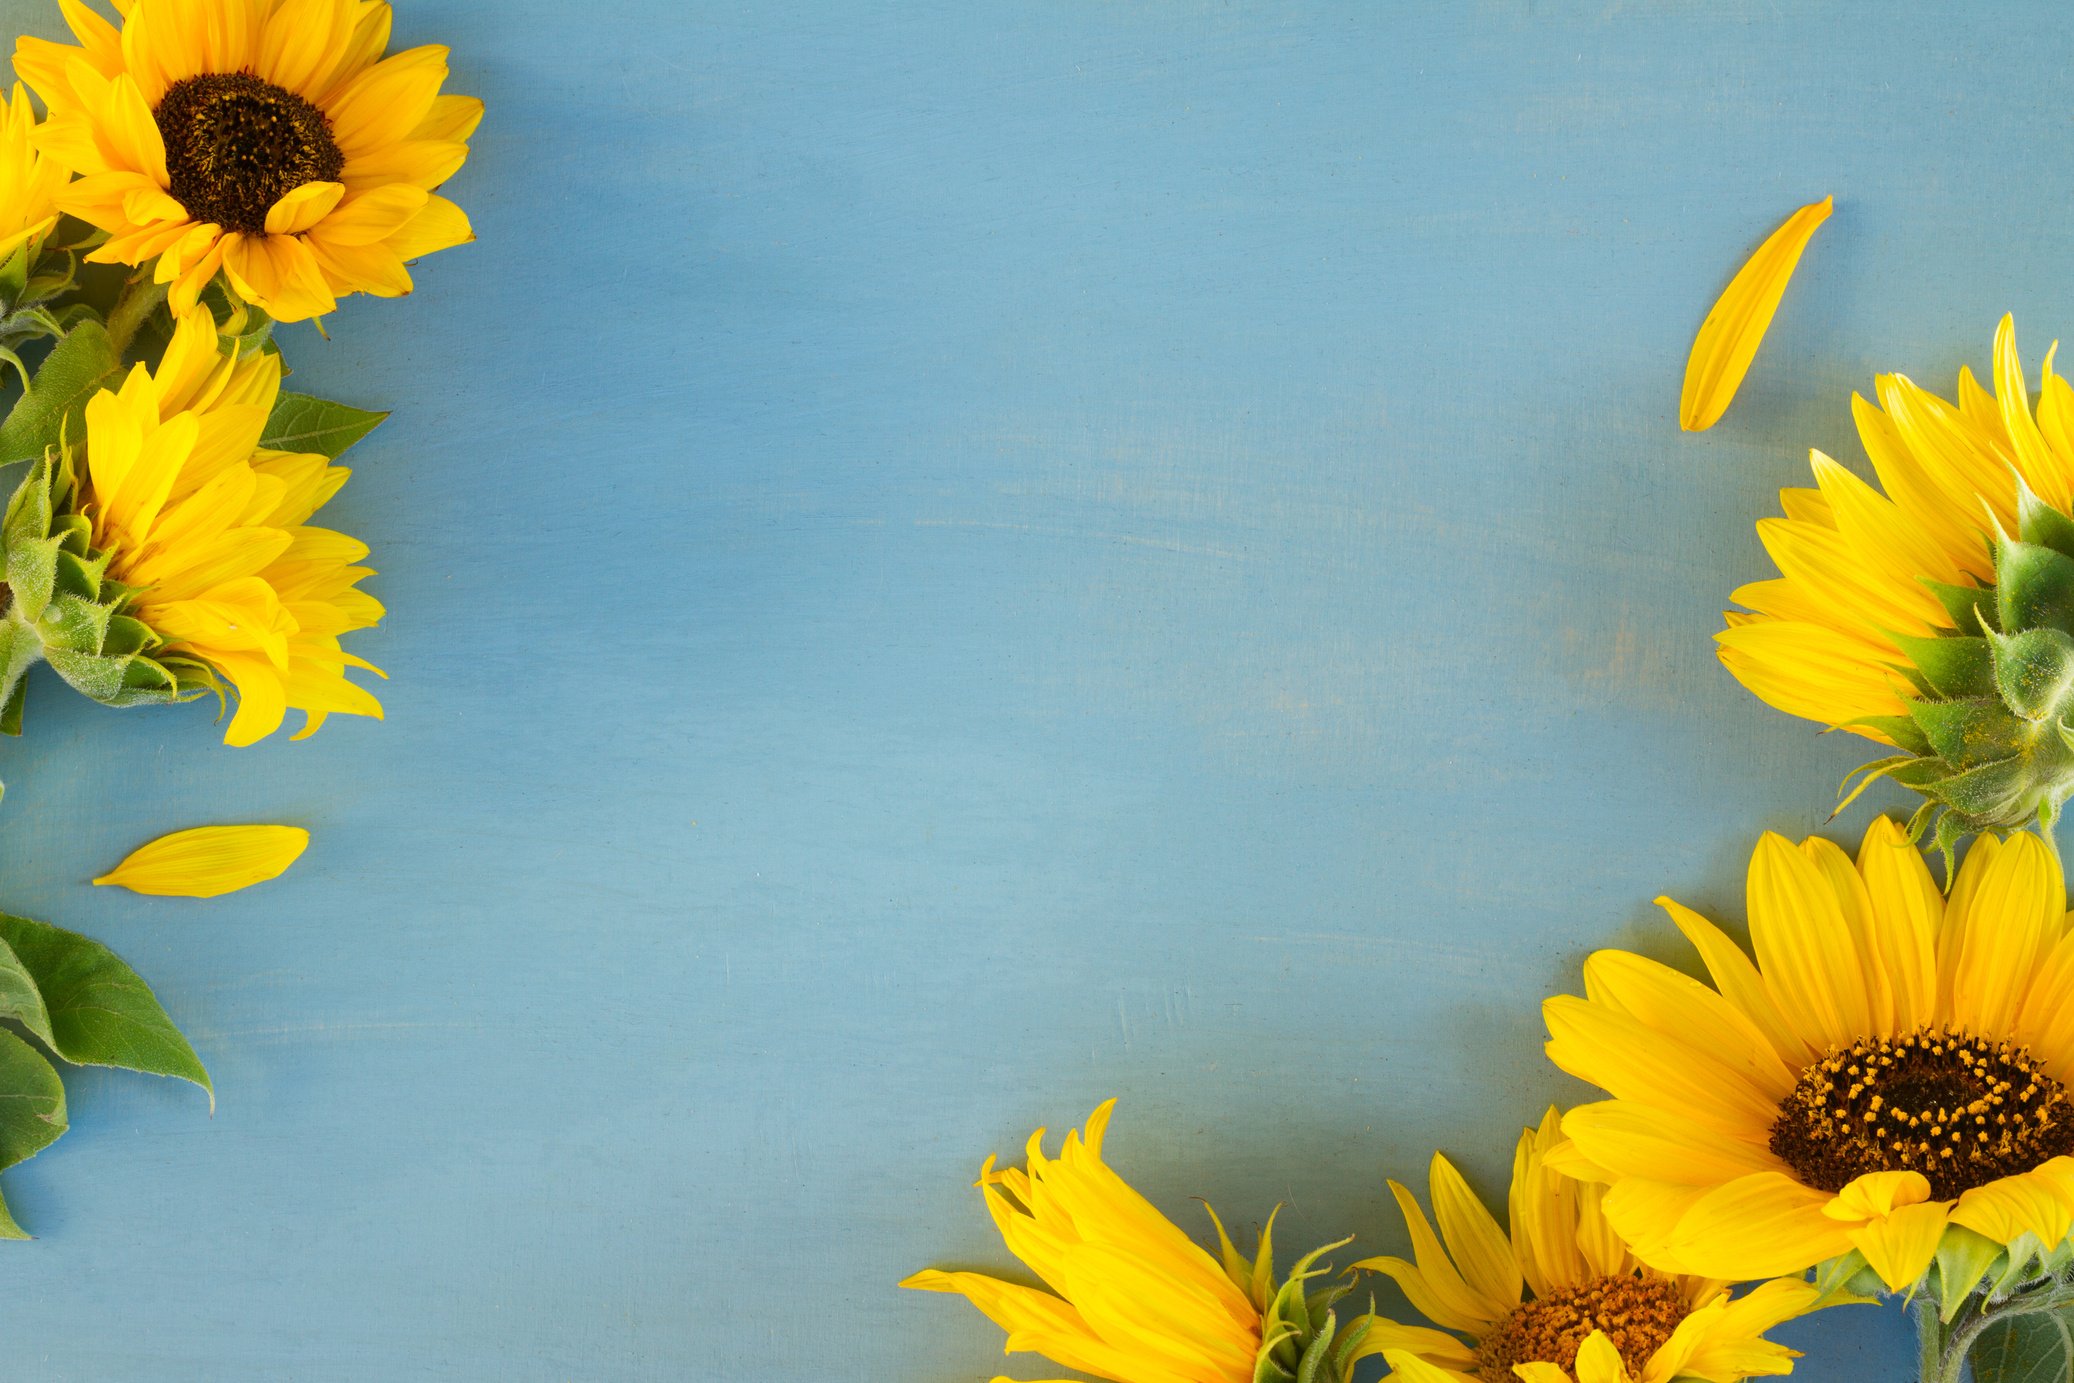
1559,1297
1893,1064
267,139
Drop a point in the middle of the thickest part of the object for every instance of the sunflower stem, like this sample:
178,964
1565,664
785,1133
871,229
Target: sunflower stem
140,296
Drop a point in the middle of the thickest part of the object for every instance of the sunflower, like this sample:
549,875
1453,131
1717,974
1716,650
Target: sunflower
29,182
209,533
266,138
1561,1297
1133,1298
1892,1073
1938,616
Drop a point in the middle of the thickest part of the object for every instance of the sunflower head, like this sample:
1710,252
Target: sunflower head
168,550
269,140
29,185
1936,617
1131,1297
1886,1085
1558,1296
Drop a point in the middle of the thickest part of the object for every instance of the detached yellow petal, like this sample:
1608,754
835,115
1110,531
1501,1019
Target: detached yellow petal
1728,339
209,860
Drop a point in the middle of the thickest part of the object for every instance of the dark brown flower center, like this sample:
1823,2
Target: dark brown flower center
1961,1110
235,145
1637,1313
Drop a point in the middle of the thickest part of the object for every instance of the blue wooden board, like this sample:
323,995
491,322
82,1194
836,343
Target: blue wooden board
948,562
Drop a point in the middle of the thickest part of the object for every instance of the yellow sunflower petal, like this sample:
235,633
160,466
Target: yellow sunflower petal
1728,339
1412,1369
1599,1362
1899,1246
209,860
1479,1247
2039,1202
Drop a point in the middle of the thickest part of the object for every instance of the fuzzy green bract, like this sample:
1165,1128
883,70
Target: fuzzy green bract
1989,735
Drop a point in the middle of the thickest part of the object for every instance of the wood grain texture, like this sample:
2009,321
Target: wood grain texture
949,562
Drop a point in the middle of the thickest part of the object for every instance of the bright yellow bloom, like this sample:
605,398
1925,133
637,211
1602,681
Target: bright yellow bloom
1134,1299
208,861
1559,1297
268,138
29,182
1820,641
210,530
1894,1065
1728,339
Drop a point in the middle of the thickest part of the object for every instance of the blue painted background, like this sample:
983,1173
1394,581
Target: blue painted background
948,562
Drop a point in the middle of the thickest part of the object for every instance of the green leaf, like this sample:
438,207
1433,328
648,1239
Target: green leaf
79,365
1952,666
101,1012
2032,1348
32,1101
2033,586
304,424
8,1228
2034,671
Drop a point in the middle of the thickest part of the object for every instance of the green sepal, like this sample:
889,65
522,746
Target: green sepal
1952,666
2034,587
1905,733
1845,1280
1963,1259
68,612
2039,523
1973,730
1970,608
2034,672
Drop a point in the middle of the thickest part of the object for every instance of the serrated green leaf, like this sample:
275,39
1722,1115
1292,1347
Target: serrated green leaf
305,424
2036,1347
1952,666
101,1012
2034,587
81,363
32,1101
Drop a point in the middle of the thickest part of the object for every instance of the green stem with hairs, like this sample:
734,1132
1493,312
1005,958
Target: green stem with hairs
140,297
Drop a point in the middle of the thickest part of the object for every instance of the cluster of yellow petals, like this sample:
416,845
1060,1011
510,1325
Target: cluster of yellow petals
1132,1297
212,531
1845,951
399,136
1818,640
1474,1275
29,182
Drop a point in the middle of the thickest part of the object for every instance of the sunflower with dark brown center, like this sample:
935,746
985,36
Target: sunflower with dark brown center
1559,1297
1893,1063
271,143
235,145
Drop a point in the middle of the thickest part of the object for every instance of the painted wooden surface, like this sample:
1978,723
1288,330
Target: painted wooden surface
948,562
